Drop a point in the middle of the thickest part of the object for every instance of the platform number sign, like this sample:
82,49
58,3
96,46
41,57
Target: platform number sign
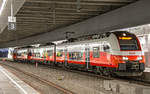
11,23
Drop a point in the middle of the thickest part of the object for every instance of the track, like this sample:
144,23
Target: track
39,79
134,80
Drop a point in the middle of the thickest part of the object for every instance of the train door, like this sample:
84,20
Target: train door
54,53
107,58
65,53
87,57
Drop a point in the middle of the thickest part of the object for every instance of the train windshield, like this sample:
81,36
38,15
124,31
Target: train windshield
127,41
128,44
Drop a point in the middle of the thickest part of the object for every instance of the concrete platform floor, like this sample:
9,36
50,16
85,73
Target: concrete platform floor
147,69
10,84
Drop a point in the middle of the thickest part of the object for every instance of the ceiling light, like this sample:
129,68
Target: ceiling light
2,7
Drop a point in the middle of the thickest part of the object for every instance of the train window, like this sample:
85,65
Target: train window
75,55
106,48
127,41
37,54
50,52
45,54
128,44
59,53
25,53
18,54
96,52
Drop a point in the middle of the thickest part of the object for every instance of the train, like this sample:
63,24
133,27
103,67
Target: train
111,53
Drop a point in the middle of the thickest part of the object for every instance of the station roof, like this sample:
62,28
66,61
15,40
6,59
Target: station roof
36,17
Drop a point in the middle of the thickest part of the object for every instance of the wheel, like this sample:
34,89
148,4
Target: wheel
106,72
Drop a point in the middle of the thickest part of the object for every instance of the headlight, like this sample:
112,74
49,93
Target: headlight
139,58
125,58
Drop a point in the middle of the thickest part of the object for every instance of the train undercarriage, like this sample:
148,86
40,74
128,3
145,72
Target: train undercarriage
127,69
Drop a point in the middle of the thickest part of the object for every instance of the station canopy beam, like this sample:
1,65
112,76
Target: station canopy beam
35,19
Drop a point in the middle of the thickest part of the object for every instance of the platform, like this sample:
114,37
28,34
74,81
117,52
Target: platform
147,69
10,84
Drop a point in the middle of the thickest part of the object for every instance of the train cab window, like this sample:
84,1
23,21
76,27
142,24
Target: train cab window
127,41
59,53
129,44
96,52
106,48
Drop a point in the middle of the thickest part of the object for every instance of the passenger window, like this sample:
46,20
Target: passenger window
106,48
96,52
50,52
59,53
44,54
37,54
18,54
75,55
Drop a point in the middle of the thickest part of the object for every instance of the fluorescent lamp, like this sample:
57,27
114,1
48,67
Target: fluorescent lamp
2,7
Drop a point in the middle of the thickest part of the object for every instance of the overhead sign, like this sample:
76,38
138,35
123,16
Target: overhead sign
11,19
11,23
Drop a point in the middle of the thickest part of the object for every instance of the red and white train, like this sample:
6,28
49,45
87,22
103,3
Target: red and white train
109,53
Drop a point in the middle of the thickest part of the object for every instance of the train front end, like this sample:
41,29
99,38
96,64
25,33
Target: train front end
130,58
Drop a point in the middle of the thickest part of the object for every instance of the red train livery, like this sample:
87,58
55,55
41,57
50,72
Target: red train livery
109,53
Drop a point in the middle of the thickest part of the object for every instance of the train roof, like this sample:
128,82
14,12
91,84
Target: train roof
47,44
88,37
82,39
24,47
